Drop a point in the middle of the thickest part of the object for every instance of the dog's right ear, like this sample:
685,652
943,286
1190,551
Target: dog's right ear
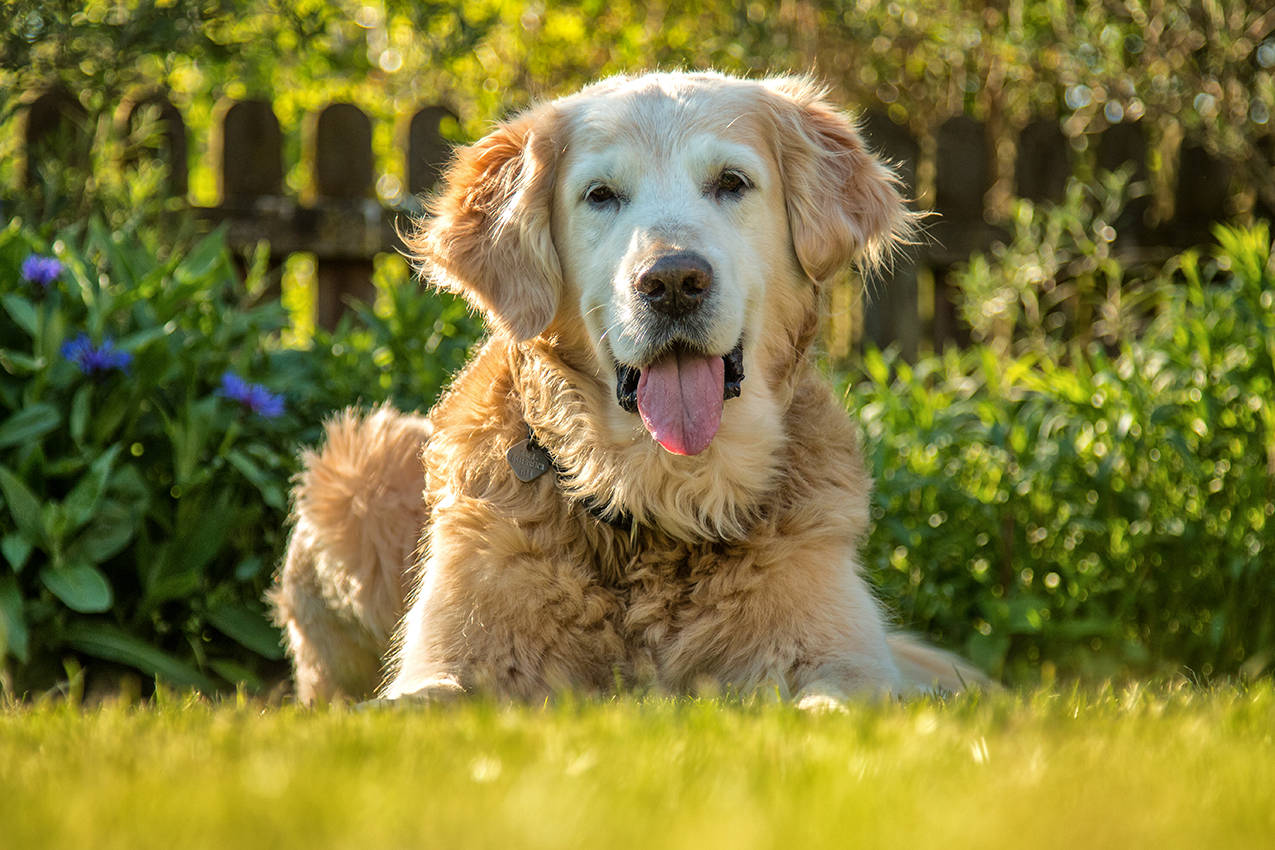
488,236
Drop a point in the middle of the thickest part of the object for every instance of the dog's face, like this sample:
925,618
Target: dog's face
669,220
684,222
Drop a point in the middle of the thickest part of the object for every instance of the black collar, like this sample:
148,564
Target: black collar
529,460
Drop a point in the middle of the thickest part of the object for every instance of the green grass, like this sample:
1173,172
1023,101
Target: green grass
1163,766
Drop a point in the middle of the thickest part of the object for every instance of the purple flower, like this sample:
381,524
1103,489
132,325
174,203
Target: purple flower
255,397
82,353
41,270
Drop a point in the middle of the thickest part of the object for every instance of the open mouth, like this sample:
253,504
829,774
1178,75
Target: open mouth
680,395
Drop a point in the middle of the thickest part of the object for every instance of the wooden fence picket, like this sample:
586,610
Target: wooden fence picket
1044,162
170,146
962,178
342,158
55,120
427,149
890,313
1125,145
1203,192
251,149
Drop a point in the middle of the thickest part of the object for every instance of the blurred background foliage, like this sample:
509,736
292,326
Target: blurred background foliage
1055,504
1086,489
1202,67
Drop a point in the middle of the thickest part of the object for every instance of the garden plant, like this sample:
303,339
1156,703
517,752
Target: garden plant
1083,508
150,420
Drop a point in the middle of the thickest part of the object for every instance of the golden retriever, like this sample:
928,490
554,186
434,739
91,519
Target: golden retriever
640,480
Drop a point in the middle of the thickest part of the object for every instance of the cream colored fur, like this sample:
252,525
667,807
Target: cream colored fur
737,568
358,512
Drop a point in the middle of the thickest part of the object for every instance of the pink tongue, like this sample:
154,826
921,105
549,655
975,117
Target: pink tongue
680,399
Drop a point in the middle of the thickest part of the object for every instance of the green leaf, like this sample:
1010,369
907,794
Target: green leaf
23,313
14,639
127,483
121,264
79,419
53,519
203,258
64,467
167,586
15,362
103,640
874,364
16,549
110,415
81,587
133,342
23,506
189,437
247,627
987,651
1024,615
202,528
83,498
29,424
271,492
112,527
236,674
249,568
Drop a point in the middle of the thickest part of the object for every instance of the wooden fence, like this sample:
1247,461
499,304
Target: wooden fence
345,227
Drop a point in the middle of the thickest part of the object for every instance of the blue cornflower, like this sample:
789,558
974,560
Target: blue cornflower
255,397
41,270
82,353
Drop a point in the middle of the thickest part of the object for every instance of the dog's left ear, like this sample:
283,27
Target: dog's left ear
489,237
842,201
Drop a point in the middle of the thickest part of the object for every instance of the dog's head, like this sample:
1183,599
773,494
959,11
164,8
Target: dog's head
684,221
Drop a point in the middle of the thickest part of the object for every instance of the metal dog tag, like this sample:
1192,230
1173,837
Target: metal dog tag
528,460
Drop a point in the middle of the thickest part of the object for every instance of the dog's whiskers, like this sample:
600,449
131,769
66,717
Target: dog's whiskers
608,330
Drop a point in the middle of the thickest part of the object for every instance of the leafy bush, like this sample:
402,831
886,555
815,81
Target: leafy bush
1085,508
1090,509
1210,67
144,470
1061,279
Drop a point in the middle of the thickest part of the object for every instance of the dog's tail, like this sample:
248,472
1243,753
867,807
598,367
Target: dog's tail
358,509
361,496
927,668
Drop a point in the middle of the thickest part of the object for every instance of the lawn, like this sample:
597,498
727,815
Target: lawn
1161,766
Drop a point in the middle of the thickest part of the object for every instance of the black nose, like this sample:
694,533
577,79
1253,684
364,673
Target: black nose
675,284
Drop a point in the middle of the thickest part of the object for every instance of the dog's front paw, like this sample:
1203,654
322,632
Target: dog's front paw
436,692
821,703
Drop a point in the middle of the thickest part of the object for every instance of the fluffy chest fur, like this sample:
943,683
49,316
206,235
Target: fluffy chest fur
658,603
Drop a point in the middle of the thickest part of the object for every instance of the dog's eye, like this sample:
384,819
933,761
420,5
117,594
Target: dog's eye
601,195
730,184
